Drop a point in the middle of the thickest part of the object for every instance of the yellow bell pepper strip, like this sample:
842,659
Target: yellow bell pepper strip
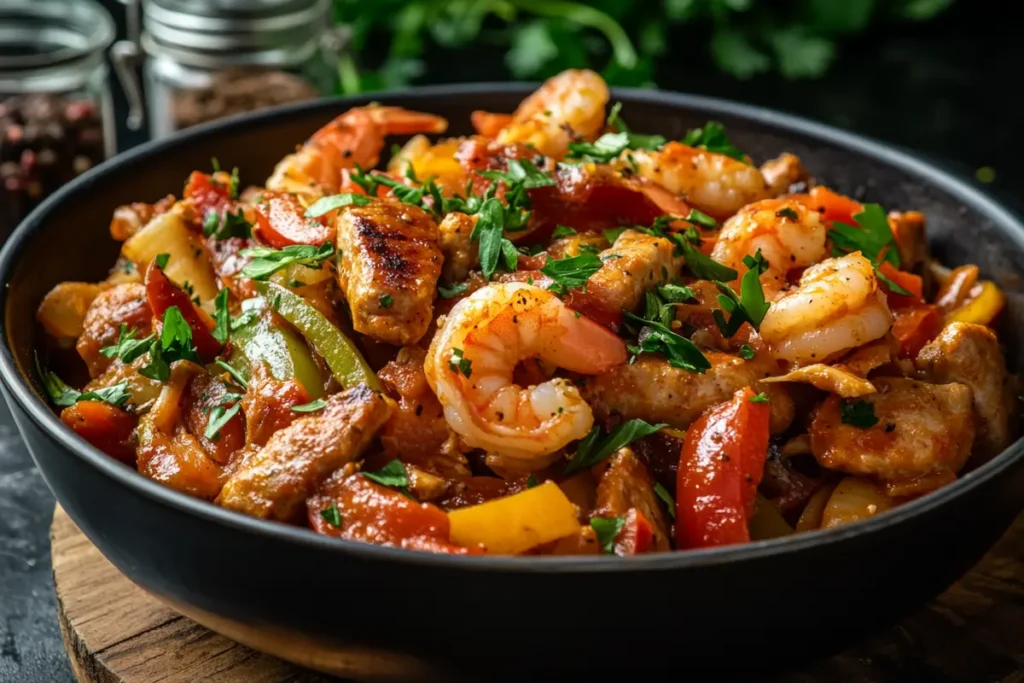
983,308
516,523
342,356
281,349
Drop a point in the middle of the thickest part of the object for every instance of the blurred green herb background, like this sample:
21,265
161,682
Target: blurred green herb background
402,42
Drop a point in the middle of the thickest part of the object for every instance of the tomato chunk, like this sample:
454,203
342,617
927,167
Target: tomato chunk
915,326
207,194
908,281
281,221
162,294
720,467
636,535
106,427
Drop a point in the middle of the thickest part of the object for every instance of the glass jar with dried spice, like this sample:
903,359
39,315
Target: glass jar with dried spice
205,60
56,112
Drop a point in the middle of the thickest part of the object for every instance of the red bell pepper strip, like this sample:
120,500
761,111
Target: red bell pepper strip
281,222
162,294
636,535
908,281
106,427
207,194
831,205
720,466
915,326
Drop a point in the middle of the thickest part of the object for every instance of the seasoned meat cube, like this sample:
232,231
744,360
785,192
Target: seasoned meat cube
651,389
635,264
461,255
126,304
390,262
275,482
921,440
970,354
626,484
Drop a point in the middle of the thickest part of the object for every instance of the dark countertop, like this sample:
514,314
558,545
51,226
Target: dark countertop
938,89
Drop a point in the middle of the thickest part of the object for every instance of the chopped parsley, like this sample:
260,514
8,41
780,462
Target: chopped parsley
750,306
858,414
233,183
633,140
561,231
310,407
128,348
521,174
760,398
612,234
325,205
787,212
459,363
235,375
222,227
676,294
220,416
607,529
704,267
712,138
656,337
700,218
161,260
611,145
331,514
385,301
666,498
392,475
266,261
746,353
221,317
63,395
572,272
592,448
450,292
489,233
174,344
531,481
873,238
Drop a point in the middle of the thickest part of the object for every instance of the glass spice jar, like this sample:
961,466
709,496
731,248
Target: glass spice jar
206,59
56,110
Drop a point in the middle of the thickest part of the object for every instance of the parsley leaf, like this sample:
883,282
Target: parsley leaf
561,231
760,398
592,449
700,218
220,416
385,301
450,292
531,481
331,514
704,267
221,227
393,474
222,317
602,150
265,261
458,363
676,294
656,337
858,414
712,137
750,306
63,395
746,353
521,172
310,407
325,205
235,375
489,232
666,498
572,272
612,234
634,140
233,184
128,348
872,236
115,395
161,260
174,344
787,212
607,529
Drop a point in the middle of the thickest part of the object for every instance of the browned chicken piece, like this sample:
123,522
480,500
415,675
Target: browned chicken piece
417,433
970,354
635,264
908,227
268,403
626,484
125,304
922,438
63,309
130,218
177,461
782,173
275,482
388,270
651,389
461,255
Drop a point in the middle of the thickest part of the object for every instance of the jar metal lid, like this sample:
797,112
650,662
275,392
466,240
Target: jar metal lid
233,26
40,34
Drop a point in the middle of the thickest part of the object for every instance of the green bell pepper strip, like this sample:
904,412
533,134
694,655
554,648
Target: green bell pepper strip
281,349
342,356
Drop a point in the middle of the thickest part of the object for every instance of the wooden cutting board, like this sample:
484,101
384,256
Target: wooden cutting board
114,632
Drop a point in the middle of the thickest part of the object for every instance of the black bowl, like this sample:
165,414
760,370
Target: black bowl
747,606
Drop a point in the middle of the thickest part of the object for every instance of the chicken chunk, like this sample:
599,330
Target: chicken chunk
635,264
651,389
125,304
970,354
461,255
388,270
275,482
922,437
626,484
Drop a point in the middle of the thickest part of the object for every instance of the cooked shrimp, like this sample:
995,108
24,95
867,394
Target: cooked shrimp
714,183
788,234
473,355
355,137
568,107
837,307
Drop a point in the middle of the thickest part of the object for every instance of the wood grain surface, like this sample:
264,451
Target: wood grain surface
114,632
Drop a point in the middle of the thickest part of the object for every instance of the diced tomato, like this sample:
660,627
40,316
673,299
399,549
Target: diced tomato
162,294
832,205
636,535
915,326
106,427
720,467
207,193
206,393
281,221
373,513
908,281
